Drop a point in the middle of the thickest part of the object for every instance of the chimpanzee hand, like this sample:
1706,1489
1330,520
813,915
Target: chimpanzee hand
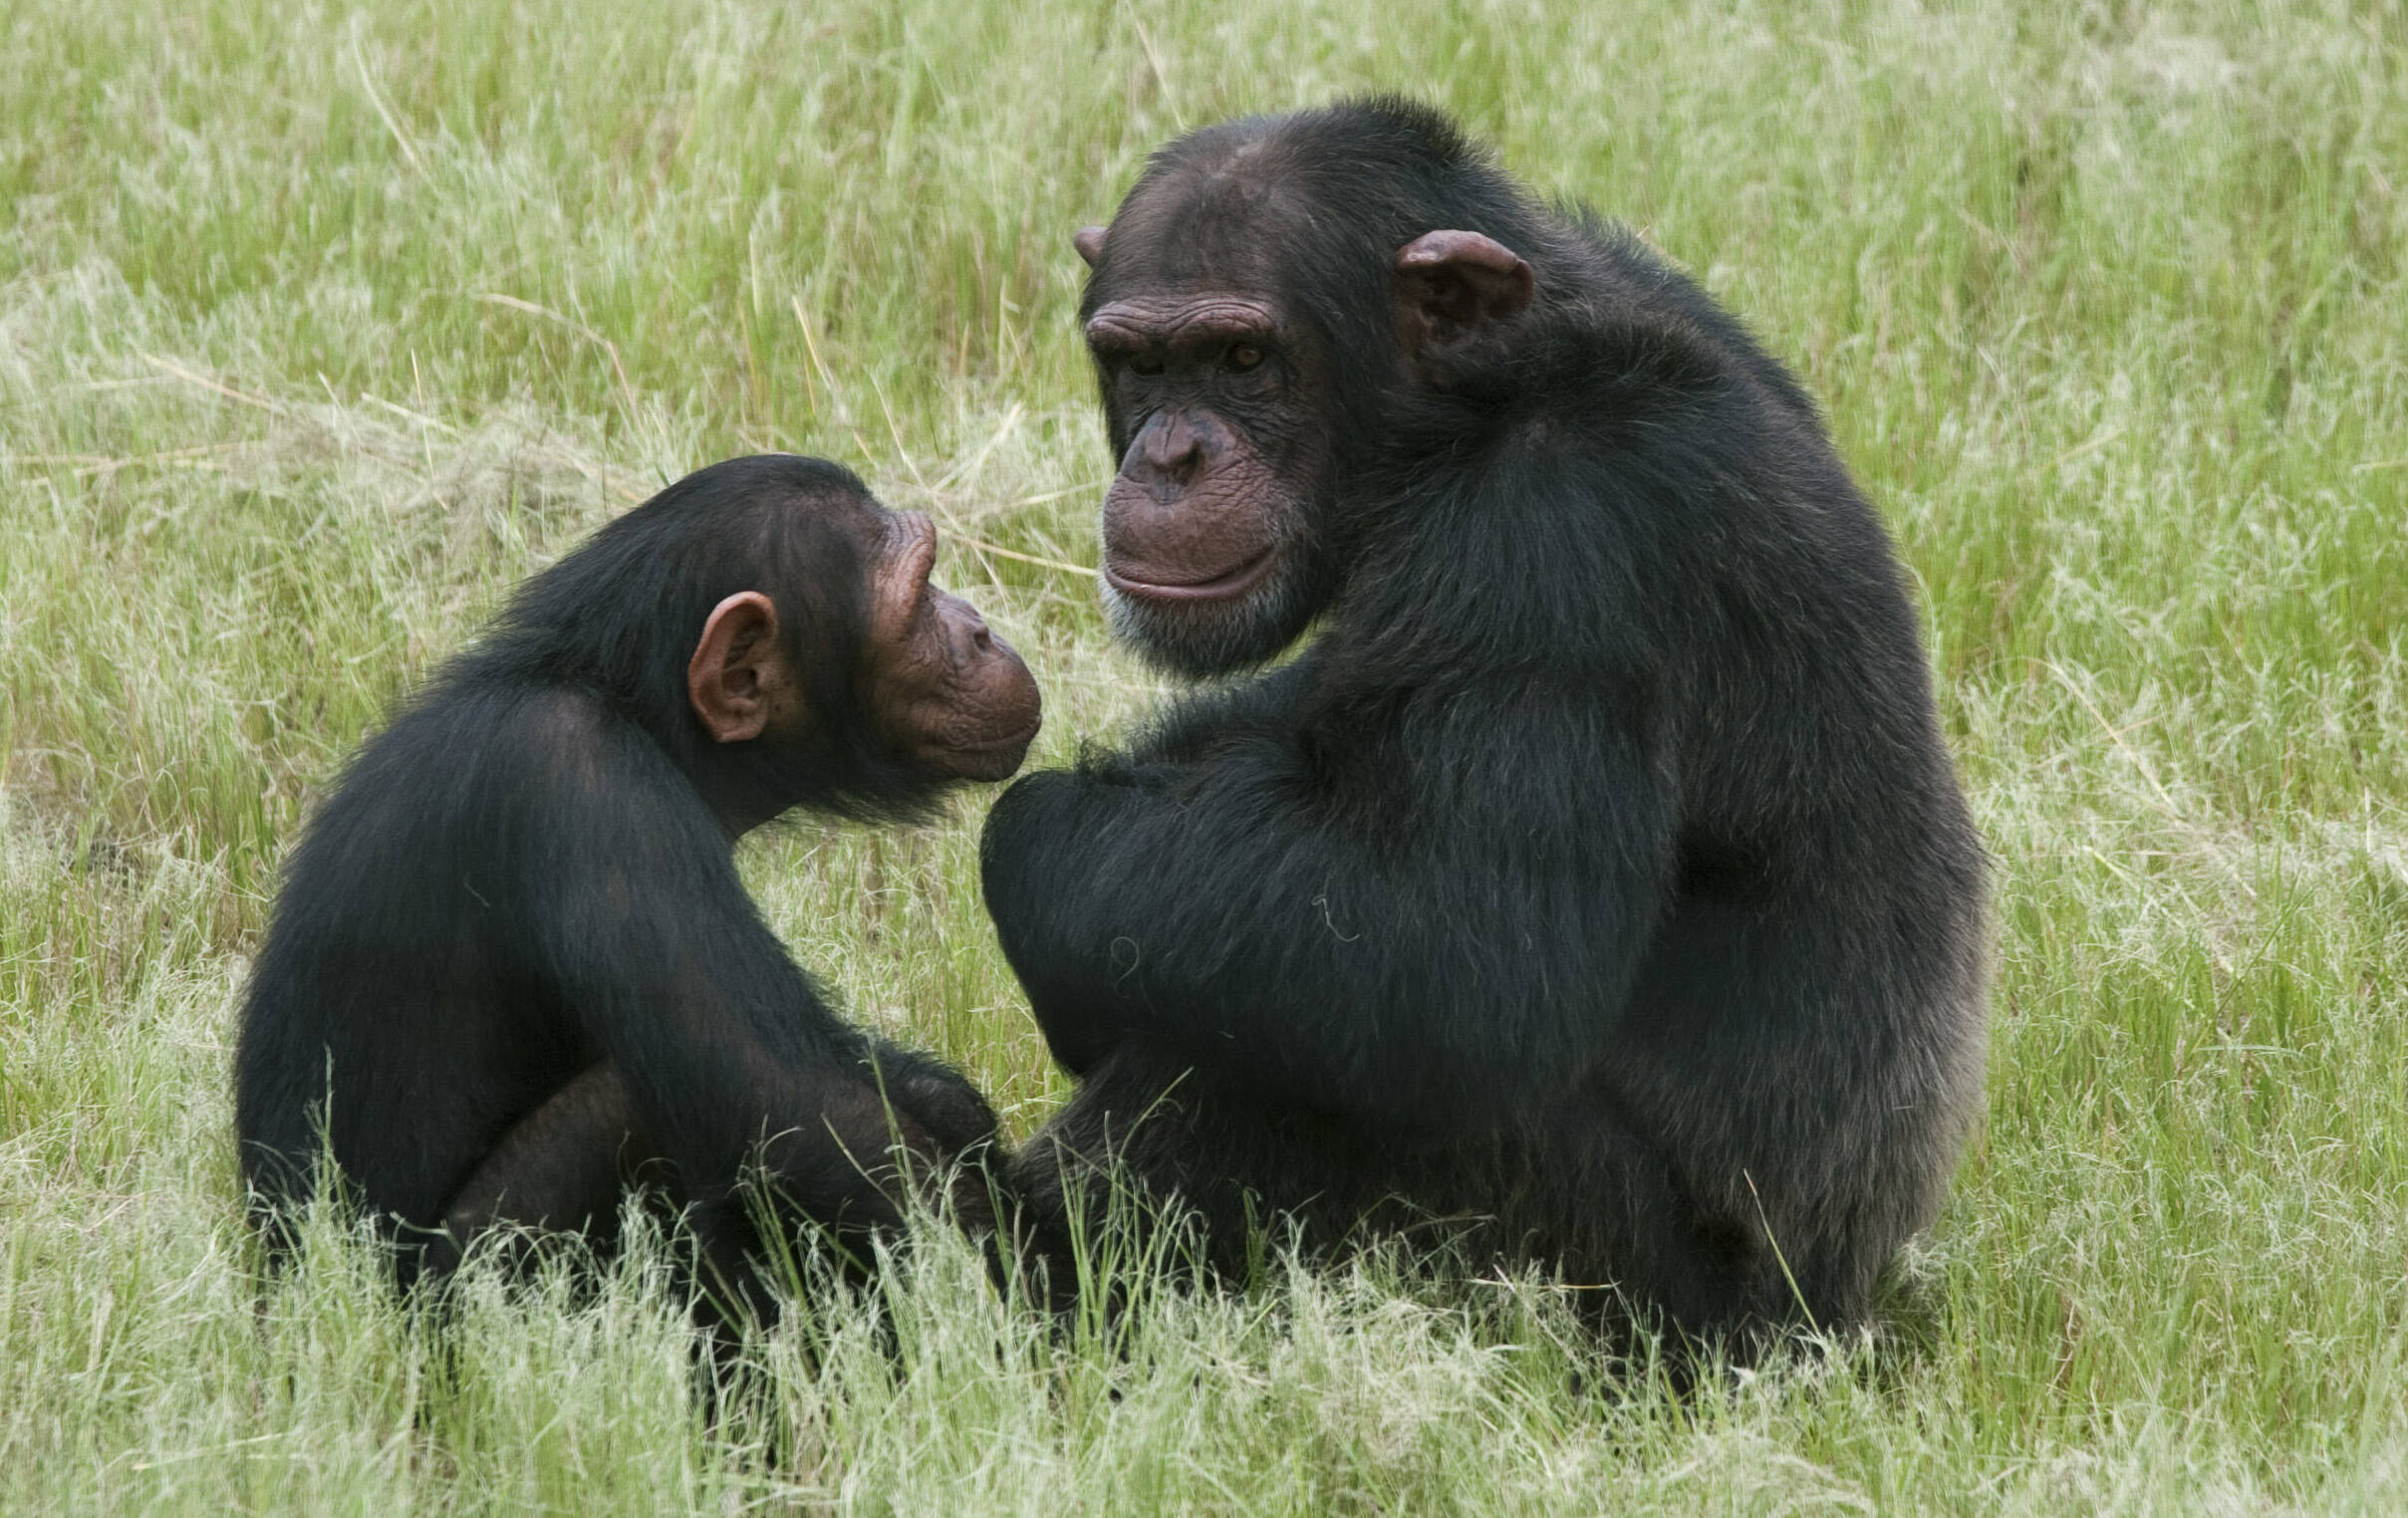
936,1098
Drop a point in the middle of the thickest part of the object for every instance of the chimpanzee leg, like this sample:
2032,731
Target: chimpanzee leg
564,1165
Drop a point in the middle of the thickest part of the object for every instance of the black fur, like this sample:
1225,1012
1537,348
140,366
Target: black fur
1596,878
529,872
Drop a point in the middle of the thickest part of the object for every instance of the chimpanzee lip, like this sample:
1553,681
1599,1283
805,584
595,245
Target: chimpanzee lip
982,761
988,747
1222,586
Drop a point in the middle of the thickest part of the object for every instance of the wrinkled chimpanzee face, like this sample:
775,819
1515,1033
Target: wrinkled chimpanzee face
943,695
1223,405
1215,401
949,694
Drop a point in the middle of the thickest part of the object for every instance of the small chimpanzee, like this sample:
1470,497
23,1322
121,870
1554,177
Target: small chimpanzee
513,963
1595,881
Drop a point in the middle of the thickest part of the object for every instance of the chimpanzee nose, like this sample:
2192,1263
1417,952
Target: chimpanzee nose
971,636
1169,450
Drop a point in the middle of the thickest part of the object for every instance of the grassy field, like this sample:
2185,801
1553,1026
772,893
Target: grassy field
320,324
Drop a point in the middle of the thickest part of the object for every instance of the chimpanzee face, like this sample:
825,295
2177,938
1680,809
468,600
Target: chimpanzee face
1223,404
949,694
946,697
1216,397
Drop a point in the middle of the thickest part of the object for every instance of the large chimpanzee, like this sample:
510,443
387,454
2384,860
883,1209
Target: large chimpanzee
513,963
1596,880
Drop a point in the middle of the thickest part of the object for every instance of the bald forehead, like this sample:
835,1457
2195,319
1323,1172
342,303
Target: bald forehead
1215,223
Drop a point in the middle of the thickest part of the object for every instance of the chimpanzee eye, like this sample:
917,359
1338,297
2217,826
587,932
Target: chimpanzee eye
1243,355
1147,364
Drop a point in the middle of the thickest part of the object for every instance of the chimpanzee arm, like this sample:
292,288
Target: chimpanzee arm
643,928
1370,942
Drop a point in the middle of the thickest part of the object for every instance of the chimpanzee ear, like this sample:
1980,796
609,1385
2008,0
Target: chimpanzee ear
1090,243
738,669
1449,284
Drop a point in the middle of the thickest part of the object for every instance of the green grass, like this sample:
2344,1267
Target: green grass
320,326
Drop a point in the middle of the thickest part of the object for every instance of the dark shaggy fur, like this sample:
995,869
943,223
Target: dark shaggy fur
1596,880
529,872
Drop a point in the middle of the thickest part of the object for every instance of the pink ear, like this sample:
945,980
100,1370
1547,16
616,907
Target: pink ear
1090,243
724,680
1452,282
